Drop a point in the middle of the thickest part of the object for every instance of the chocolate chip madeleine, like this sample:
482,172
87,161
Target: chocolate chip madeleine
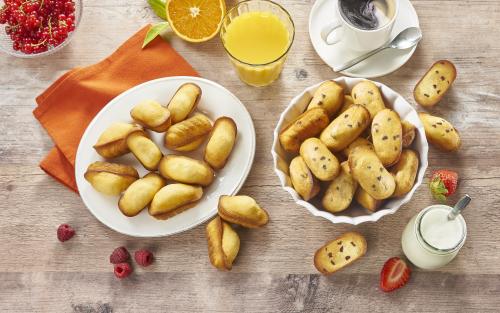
387,134
339,253
307,125
440,132
329,96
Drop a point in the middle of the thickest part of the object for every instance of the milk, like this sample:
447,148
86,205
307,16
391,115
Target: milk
430,240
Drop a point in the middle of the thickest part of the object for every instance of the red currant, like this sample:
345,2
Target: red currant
69,7
16,45
3,18
28,8
35,26
28,48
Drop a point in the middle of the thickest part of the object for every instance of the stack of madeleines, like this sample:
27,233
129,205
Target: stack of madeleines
185,130
352,147
223,240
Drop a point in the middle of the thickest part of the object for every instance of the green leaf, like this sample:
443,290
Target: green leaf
438,189
158,7
154,31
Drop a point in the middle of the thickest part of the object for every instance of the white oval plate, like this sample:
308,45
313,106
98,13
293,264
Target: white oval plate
355,214
215,101
383,63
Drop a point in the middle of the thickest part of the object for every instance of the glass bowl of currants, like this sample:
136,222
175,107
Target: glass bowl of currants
34,28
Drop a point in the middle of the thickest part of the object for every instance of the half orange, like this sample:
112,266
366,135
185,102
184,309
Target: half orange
195,20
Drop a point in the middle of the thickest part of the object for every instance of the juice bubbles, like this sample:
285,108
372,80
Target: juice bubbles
257,42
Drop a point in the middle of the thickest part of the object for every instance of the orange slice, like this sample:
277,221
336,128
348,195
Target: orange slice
195,20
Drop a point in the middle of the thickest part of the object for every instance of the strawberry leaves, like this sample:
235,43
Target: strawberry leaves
443,183
438,189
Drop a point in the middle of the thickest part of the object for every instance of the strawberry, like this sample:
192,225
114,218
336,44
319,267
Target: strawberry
394,274
443,183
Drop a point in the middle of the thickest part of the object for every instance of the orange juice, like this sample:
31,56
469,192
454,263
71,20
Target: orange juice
257,43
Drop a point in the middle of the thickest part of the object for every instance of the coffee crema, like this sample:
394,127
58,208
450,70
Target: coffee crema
367,14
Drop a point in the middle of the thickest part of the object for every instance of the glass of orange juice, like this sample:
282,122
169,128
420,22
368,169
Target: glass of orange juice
257,35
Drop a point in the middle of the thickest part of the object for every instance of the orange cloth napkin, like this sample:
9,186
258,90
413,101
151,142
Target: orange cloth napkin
71,102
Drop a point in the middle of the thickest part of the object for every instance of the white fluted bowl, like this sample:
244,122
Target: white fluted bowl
355,214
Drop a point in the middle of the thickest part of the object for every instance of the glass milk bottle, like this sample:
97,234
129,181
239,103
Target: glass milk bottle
434,236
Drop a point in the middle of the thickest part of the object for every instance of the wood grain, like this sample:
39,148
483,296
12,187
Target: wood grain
274,270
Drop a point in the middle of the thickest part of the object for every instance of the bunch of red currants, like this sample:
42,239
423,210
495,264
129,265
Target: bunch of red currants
36,26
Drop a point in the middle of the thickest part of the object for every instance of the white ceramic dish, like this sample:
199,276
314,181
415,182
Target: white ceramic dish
383,63
355,214
215,101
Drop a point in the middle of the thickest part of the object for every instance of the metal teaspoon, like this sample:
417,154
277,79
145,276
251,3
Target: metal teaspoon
461,204
404,40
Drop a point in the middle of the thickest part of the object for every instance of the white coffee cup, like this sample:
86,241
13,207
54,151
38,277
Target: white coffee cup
355,38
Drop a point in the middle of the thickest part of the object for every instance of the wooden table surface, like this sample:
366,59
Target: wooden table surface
274,270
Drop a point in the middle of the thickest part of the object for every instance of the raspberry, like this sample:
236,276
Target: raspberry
143,257
122,270
119,255
65,232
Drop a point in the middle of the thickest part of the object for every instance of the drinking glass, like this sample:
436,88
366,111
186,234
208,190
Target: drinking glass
258,75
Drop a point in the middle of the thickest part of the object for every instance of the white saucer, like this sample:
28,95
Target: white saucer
383,63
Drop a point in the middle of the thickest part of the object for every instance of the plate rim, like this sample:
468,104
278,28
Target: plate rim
408,56
235,190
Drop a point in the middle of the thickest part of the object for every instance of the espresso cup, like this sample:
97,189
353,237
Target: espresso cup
359,36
